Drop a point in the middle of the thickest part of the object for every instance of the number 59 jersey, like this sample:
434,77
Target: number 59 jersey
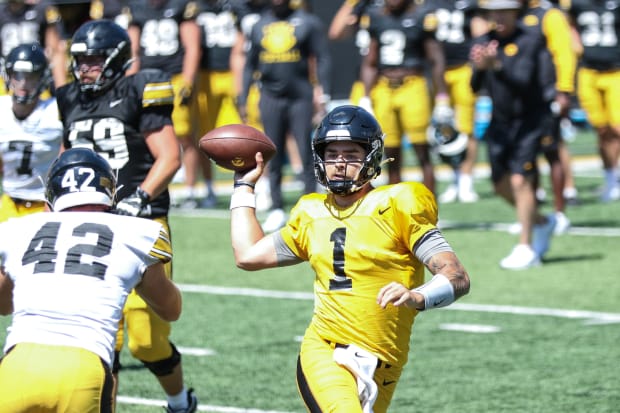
114,125
72,272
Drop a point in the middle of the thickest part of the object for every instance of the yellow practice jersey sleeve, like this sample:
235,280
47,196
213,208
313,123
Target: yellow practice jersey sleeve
354,253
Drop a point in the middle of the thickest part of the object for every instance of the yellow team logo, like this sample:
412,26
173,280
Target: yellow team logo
511,49
531,20
279,42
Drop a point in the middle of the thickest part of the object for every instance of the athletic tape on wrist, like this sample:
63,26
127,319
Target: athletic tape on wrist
438,292
242,199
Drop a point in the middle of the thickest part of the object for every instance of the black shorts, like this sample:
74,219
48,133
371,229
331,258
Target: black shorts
514,146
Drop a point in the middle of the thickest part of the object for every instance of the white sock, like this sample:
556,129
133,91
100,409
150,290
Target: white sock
466,182
178,401
611,177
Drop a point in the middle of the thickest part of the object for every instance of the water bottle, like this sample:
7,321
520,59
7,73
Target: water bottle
483,113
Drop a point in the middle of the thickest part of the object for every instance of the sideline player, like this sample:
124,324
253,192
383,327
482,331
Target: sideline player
65,279
165,36
402,44
369,248
127,119
30,132
598,80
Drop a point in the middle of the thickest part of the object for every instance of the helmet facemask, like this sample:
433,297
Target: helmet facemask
348,124
109,73
26,69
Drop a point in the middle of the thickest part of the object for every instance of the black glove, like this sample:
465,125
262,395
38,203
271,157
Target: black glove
134,205
185,95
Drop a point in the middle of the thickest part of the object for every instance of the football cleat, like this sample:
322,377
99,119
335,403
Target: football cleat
192,404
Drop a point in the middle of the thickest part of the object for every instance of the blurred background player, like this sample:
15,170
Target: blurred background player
457,23
165,36
515,67
34,22
248,13
597,24
65,311
30,132
127,119
214,91
116,10
551,23
282,44
402,44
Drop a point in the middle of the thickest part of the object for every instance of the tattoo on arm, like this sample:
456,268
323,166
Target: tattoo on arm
449,265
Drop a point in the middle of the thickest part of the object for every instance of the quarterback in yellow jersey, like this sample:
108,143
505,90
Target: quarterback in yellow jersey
369,248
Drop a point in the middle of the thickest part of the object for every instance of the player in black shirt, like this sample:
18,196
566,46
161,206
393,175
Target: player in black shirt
281,45
127,120
516,69
598,79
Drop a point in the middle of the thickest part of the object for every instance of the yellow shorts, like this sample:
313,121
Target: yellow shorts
402,108
214,104
10,208
599,96
181,114
147,333
462,97
322,381
44,378
252,108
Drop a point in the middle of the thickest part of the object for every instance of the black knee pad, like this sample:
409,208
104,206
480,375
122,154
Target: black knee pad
116,364
164,367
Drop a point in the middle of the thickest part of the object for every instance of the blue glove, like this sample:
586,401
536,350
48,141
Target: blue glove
134,205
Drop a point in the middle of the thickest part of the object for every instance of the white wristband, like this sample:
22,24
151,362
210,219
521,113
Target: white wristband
242,199
438,292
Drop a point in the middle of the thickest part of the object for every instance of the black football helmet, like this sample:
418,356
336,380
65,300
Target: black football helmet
23,61
448,143
102,38
80,176
348,123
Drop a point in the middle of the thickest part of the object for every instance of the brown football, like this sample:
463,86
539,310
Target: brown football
233,146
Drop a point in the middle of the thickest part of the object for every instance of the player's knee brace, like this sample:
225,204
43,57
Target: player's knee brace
166,366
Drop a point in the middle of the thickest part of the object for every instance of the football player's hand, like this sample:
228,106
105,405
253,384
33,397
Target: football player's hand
366,104
185,94
443,114
134,205
252,175
398,295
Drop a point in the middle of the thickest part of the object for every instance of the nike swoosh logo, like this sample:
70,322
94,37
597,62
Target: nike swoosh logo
360,355
388,382
436,303
384,210
115,102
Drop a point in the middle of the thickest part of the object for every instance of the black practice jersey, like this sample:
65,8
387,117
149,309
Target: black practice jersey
116,10
598,24
217,21
525,84
28,25
279,50
454,28
114,125
401,38
160,38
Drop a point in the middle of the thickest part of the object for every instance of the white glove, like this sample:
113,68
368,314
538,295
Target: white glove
366,104
443,114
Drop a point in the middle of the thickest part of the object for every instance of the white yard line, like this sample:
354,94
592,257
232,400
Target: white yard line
590,317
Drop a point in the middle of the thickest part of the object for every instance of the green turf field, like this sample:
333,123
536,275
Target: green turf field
544,340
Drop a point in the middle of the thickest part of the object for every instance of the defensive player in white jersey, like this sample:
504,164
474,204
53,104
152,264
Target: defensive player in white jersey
30,131
369,248
65,279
